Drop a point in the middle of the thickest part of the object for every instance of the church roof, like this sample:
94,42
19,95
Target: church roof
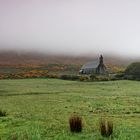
90,65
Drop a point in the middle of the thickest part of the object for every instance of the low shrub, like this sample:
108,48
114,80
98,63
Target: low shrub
102,78
52,76
75,123
69,77
129,77
93,77
119,75
106,128
3,113
84,78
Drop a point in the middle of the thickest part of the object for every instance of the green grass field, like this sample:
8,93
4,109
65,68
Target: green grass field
39,109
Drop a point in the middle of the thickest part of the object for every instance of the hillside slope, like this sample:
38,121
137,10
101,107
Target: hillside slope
18,58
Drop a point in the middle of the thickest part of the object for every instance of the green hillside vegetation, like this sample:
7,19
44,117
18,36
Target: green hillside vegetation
133,71
38,109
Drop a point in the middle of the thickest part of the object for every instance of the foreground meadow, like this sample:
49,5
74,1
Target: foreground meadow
39,109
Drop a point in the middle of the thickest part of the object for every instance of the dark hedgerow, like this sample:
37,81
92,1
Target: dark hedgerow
69,77
106,128
75,123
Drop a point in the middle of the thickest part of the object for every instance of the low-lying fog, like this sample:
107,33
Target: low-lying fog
71,27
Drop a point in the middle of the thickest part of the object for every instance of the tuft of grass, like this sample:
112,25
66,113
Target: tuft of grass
106,128
14,137
75,123
3,113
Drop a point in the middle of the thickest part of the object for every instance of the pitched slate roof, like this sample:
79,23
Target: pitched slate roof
90,65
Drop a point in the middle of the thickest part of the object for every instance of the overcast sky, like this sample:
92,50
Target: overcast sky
71,26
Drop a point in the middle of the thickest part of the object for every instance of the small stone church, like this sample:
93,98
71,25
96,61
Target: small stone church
94,67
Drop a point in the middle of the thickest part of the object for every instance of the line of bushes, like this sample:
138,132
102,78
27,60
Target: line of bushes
127,75
63,77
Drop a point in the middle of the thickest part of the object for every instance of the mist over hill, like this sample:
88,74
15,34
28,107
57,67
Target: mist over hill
35,58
